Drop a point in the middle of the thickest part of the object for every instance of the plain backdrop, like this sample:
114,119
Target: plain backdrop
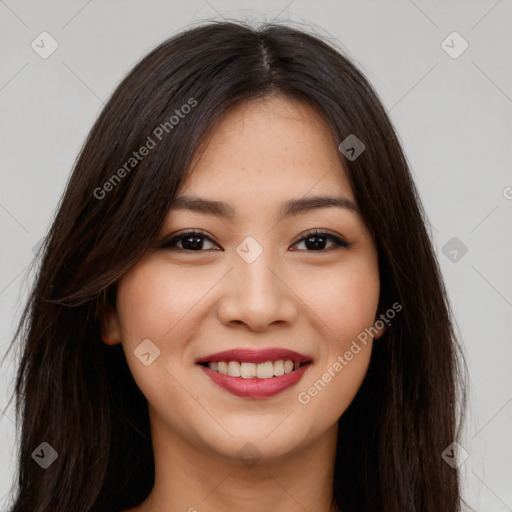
451,106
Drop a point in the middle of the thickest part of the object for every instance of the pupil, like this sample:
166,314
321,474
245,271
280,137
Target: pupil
315,245
197,242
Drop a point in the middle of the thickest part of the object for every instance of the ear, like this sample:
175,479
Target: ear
111,328
381,331
380,325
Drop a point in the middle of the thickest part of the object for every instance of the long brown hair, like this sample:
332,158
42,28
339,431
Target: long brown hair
78,395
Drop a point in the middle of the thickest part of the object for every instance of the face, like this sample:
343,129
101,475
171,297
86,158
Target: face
269,281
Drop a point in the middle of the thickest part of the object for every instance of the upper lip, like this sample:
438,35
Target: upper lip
255,356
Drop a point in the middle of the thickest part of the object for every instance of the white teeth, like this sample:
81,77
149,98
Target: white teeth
248,370
288,366
279,368
265,370
234,368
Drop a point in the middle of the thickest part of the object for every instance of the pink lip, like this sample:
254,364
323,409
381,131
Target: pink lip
255,356
256,388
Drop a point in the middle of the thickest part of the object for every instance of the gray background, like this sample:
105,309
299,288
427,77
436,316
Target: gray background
453,116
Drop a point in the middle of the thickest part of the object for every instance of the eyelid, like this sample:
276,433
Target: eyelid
320,231
338,240
168,241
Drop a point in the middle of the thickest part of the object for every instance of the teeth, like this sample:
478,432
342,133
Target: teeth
265,370
279,368
234,369
248,370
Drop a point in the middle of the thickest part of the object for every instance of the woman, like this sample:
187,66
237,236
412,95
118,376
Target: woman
239,305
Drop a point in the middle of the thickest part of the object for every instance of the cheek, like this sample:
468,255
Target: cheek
151,302
155,297
345,300
157,301
331,390
346,304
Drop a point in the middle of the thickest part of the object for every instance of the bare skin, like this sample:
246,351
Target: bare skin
191,303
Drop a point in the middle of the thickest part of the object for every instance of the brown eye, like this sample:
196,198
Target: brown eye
316,240
190,241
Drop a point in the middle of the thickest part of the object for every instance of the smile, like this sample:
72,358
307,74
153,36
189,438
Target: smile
255,374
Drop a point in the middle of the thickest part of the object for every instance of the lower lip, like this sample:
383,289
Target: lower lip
256,388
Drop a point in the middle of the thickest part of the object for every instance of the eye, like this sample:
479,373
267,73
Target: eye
316,239
195,241
190,241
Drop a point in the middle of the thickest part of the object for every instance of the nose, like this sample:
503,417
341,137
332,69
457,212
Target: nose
257,295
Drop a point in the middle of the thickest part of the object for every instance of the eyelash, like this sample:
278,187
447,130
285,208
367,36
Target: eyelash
168,244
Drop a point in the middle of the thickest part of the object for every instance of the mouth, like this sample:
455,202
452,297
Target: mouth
255,374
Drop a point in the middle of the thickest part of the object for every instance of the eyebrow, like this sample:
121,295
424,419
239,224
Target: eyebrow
288,209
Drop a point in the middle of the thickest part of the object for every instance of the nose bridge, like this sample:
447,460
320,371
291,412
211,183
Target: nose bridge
257,277
256,281
256,295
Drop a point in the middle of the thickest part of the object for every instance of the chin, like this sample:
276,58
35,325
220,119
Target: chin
269,440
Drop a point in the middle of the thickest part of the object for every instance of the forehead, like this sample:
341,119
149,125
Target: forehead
266,149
